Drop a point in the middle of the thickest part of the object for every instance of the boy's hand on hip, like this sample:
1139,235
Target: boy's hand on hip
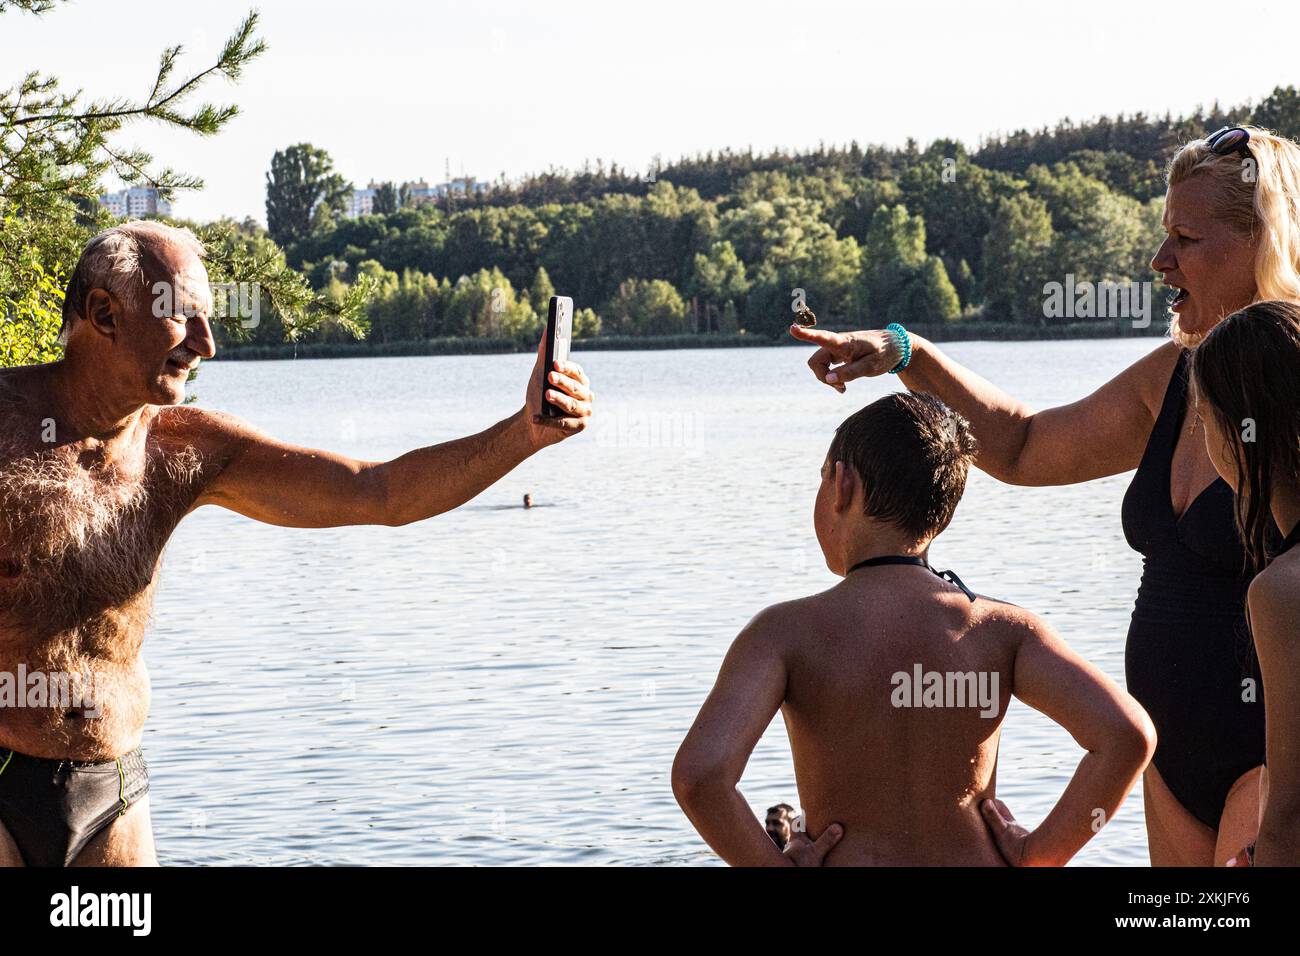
1012,839
802,851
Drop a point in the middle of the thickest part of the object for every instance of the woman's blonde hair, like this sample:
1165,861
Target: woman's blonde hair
1260,200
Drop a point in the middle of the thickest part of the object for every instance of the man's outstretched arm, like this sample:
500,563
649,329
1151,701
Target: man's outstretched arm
712,758
281,484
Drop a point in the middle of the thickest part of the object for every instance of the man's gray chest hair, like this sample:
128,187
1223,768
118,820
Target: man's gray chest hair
87,541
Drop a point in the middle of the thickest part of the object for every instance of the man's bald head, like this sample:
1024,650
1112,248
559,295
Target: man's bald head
126,261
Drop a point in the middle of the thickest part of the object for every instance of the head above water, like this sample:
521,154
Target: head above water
1233,224
1246,380
136,311
892,479
779,823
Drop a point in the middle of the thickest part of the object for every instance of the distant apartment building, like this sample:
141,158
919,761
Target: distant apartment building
361,202
135,203
462,186
419,193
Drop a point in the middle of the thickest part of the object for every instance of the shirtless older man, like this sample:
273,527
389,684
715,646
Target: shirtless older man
99,462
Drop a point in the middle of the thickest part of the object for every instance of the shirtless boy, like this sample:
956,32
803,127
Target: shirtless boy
893,683
99,461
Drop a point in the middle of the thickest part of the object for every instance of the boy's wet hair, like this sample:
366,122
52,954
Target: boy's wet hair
912,453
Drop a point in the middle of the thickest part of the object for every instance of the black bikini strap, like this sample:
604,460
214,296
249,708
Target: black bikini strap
891,559
948,576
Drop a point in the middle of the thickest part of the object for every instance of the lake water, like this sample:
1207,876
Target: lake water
509,686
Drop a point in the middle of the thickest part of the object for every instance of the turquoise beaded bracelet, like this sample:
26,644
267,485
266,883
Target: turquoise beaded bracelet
904,344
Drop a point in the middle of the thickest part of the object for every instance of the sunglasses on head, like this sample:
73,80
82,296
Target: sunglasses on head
1229,139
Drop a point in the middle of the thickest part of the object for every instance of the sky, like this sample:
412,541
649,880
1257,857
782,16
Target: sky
396,89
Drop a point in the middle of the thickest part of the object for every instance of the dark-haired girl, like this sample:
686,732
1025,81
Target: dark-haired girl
1246,380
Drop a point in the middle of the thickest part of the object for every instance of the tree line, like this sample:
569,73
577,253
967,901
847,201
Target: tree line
725,242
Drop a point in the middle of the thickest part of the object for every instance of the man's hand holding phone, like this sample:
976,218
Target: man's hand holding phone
564,386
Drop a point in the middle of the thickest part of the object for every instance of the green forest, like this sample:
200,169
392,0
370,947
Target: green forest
720,244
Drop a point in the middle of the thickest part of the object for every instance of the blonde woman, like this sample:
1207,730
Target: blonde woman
1233,237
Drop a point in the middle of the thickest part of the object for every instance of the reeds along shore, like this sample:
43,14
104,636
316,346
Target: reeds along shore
947,332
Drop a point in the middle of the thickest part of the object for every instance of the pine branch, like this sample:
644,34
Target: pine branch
29,6
238,52
165,65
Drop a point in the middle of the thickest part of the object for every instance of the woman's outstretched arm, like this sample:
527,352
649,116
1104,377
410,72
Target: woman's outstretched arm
1102,434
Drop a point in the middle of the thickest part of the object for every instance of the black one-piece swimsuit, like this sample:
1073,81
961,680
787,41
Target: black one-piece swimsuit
1189,659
